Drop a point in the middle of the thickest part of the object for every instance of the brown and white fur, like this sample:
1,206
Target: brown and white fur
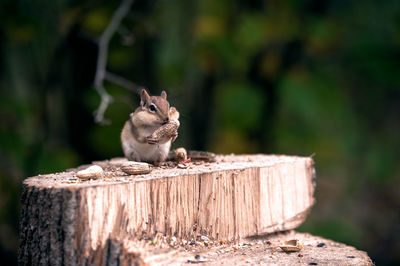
153,112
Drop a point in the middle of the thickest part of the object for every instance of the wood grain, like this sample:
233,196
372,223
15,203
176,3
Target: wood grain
63,222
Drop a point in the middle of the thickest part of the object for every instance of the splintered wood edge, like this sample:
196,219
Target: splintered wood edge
234,197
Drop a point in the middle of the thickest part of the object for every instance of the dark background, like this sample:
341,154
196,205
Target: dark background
284,77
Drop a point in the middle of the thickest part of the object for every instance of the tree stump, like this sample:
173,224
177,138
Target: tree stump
65,220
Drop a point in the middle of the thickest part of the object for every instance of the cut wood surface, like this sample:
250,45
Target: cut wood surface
262,250
65,220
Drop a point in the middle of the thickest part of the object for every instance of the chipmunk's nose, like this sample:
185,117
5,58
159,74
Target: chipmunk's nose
166,120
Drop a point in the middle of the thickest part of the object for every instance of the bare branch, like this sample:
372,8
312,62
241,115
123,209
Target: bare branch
123,82
128,38
103,43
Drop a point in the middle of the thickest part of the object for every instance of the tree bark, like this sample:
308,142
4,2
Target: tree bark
69,221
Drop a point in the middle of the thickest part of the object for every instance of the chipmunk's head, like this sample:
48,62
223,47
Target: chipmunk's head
156,106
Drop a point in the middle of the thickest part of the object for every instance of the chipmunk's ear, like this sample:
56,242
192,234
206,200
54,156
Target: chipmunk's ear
164,95
144,98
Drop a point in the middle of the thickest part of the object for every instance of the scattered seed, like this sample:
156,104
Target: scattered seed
313,263
180,154
351,257
293,245
204,238
321,244
135,168
92,172
197,259
182,166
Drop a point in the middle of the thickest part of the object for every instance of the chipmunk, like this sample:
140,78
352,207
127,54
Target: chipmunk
153,114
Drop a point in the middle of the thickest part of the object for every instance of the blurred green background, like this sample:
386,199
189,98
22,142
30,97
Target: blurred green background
284,77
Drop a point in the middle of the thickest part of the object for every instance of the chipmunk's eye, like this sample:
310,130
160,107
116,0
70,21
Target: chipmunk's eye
152,108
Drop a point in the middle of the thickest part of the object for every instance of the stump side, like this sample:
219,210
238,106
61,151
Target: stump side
86,222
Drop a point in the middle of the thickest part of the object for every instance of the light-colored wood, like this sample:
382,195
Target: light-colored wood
65,220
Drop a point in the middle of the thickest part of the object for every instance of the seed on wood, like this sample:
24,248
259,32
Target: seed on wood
92,172
135,168
197,259
293,245
180,154
182,166
204,238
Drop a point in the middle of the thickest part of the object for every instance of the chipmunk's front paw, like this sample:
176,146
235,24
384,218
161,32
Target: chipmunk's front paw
151,140
174,136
